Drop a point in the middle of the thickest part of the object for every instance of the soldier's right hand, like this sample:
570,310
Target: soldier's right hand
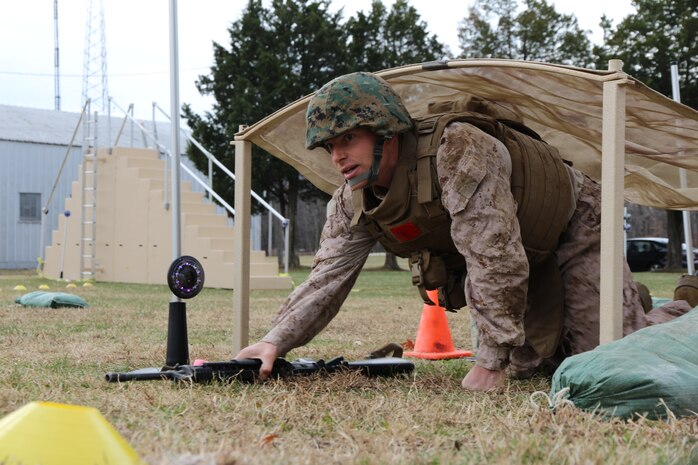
266,352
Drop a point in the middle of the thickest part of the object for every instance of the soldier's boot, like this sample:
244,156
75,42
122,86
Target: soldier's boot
645,296
687,289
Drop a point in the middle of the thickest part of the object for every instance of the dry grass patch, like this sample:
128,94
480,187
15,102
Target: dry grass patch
61,355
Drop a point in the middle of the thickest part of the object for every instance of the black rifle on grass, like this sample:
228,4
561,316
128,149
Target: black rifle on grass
247,370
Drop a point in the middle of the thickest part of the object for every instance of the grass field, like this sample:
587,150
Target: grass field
61,355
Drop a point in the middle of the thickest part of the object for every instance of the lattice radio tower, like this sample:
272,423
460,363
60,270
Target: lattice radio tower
94,75
56,61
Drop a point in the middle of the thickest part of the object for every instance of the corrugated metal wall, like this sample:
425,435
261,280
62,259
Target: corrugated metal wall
31,167
32,146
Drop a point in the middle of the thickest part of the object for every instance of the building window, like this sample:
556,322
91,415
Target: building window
29,207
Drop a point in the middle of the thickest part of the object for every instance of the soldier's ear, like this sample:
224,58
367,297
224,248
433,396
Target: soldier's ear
391,143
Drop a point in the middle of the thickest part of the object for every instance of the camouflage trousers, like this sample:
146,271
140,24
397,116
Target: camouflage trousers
578,257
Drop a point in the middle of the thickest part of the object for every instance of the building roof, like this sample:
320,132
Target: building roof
41,126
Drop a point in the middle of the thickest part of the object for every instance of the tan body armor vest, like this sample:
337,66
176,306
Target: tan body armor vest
410,221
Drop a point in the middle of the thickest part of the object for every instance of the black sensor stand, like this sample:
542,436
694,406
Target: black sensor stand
185,279
177,339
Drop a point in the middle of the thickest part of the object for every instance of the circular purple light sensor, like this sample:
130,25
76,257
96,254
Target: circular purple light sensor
185,277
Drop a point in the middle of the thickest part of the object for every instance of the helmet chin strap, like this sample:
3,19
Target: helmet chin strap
371,175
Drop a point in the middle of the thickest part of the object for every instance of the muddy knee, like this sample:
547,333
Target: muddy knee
687,289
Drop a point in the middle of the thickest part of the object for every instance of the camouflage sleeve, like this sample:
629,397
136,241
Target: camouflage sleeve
474,170
314,303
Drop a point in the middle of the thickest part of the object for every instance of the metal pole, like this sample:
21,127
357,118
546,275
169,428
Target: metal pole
109,146
131,121
155,125
42,241
56,59
65,242
612,186
174,133
269,235
123,124
210,177
287,244
687,227
626,227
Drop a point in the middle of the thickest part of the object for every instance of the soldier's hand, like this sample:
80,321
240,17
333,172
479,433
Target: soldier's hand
264,351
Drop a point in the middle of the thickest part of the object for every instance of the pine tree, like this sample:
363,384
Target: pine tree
279,54
497,29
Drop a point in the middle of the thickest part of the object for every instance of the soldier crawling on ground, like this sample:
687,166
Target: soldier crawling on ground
488,214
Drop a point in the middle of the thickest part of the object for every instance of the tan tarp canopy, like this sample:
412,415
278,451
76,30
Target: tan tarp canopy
563,104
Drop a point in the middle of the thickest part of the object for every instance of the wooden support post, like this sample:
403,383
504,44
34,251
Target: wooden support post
241,246
612,196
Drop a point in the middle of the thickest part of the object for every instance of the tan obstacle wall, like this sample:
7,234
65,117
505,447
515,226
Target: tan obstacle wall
134,230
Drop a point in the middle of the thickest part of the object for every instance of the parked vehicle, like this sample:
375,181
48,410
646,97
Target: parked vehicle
650,253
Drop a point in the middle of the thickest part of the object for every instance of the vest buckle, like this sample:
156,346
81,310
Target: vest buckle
417,265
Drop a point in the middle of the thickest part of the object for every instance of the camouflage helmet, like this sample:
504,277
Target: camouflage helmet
351,101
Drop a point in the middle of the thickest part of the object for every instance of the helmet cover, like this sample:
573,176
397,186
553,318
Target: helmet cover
352,101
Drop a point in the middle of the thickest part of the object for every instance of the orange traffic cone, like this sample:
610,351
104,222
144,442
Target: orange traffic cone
433,340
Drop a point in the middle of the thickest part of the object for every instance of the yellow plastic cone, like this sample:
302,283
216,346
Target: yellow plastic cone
19,287
44,286
71,285
58,434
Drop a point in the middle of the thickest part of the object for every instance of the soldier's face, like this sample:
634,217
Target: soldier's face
352,155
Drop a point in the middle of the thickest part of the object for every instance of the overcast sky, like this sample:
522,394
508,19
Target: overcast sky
137,44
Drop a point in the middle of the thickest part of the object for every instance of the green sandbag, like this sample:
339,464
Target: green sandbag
50,299
644,373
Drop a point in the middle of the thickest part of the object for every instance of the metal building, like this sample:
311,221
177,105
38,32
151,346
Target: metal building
33,145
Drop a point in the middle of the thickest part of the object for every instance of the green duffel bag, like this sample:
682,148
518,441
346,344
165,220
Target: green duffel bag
649,372
50,299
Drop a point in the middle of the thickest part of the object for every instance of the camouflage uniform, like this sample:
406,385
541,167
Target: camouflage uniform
474,171
485,230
